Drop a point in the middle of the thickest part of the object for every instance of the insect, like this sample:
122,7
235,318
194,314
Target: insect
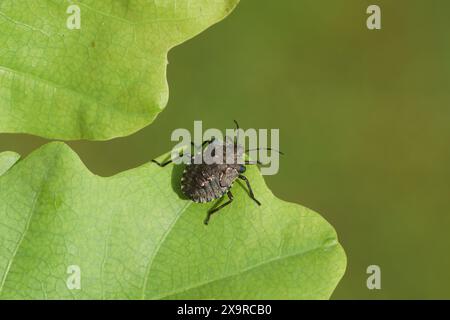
211,180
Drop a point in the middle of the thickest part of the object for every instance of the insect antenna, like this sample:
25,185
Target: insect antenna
257,149
236,138
269,149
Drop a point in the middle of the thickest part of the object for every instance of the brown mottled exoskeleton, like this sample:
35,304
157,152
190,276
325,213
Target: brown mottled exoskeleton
213,179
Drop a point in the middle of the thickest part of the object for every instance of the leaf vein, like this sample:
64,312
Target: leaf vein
204,283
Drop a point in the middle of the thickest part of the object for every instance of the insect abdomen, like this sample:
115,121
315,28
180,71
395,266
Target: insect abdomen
201,184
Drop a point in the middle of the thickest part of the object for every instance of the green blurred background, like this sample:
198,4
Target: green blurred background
364,119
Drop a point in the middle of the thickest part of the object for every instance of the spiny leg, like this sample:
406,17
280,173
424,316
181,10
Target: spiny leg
249,189
212,211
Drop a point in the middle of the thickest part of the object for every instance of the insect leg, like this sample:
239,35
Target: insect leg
198,149
204,142
208,141
163,164
212,211
249,189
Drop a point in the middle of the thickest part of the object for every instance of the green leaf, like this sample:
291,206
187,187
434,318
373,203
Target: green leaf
134,237
7,160
105,80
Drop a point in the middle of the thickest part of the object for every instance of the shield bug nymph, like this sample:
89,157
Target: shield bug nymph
204,181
